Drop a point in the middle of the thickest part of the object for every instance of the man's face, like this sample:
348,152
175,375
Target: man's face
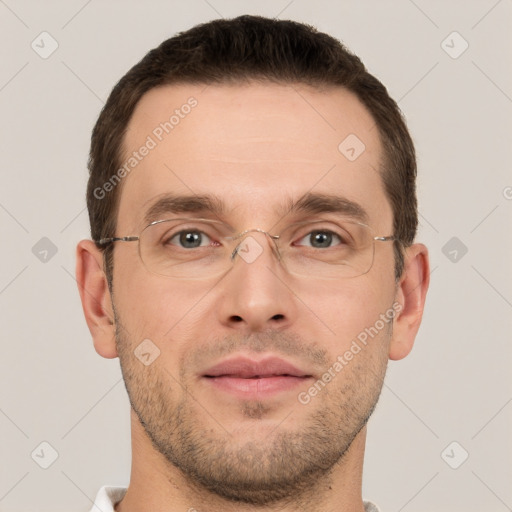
258,149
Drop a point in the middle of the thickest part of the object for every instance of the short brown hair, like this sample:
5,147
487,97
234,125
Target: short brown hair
252,48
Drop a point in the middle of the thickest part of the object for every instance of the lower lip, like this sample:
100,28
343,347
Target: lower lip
256,388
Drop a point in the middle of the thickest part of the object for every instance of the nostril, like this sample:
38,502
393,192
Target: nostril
236,318
278,317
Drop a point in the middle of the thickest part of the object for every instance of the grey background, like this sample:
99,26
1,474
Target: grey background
455,385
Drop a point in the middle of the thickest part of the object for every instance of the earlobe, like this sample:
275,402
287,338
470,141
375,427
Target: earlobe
95,297
411,294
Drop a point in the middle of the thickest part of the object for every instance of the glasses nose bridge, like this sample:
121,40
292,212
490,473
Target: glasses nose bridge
241,237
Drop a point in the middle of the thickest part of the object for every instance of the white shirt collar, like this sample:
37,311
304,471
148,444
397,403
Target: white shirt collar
109,495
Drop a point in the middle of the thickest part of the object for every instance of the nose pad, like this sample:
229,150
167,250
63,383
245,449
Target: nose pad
249,249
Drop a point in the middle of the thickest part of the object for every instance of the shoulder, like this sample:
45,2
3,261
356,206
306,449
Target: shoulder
107,497
370,507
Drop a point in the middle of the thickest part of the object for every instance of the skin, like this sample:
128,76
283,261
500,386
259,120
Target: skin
254,146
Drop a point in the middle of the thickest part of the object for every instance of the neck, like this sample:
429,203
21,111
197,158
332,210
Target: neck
157,485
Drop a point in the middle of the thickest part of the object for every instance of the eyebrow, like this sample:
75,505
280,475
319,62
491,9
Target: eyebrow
329,203
170,203
214,206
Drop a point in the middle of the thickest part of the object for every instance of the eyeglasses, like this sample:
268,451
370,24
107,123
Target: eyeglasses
194,248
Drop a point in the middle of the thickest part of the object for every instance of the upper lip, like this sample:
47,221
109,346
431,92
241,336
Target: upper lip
246,368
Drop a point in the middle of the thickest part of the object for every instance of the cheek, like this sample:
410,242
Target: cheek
346,310
155,307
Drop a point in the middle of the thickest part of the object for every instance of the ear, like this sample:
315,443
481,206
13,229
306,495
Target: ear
411,292
95,296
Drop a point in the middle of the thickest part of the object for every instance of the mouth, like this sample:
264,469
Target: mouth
251,379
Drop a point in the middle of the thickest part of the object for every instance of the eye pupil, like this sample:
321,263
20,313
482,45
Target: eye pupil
321,239
190,239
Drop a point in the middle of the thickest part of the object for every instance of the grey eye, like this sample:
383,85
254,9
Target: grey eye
190,239
320,239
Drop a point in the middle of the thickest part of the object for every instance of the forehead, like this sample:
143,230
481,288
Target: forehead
253,146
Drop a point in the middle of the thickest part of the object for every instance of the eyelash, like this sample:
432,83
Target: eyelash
330,232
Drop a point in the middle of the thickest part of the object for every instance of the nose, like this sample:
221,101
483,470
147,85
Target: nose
254,295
